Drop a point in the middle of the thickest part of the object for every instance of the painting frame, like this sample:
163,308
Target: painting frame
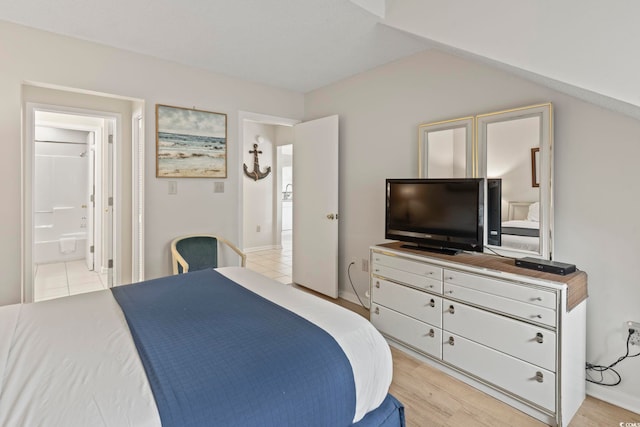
535,169
190,143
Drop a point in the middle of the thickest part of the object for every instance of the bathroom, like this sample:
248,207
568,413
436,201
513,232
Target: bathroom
64,235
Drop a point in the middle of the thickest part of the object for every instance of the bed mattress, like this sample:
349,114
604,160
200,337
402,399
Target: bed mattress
72,361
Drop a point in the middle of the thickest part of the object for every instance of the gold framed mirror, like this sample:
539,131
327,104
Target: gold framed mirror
518,213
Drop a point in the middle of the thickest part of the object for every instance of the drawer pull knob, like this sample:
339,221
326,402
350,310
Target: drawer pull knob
432,303
449,291
450,278
377,270
536,299
537,316
539,337
451,341
430,273
451,310
430,286
539,377
431,333
377,310
377,284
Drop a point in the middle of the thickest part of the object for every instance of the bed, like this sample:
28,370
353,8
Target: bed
522,229
180,351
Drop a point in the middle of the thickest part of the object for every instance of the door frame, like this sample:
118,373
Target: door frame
260,118
28,169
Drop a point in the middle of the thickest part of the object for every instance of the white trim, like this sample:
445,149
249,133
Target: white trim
137,192
348,295
615,397
262,248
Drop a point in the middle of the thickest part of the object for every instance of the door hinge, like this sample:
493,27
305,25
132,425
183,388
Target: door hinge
92,198
110,139
92,249
110,201
110,264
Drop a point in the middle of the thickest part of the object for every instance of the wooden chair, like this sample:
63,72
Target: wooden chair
199,252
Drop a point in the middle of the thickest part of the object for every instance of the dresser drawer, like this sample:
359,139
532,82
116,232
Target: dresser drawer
513,375
421,336
502,288
412,302
410,279
415,267
524,311
530,343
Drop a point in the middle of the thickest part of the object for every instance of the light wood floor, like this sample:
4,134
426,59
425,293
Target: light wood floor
433,398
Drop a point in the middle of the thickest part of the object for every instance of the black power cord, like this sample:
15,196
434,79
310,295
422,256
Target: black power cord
353,287
602,369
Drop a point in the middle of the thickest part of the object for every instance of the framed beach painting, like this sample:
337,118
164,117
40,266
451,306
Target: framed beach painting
190,143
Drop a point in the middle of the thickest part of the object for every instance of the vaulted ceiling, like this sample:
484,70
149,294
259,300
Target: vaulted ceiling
587,48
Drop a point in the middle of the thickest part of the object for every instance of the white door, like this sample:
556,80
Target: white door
90,203
315,207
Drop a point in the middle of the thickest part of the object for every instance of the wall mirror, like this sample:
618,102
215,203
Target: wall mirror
445,149
515,155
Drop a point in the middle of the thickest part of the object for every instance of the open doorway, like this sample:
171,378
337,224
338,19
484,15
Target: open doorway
267,203
122,198
285,183
72,217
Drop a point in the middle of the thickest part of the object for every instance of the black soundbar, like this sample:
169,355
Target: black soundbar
546,265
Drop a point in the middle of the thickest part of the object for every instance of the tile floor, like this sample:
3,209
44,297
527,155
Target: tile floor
72,277
66,278
274,263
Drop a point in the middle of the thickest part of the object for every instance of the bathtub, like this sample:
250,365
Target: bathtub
59,235
69,247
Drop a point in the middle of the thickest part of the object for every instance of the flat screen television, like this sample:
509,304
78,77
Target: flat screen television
440,215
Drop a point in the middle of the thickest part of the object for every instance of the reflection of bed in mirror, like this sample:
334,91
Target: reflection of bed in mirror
522,228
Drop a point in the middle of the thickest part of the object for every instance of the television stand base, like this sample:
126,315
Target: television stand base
434,249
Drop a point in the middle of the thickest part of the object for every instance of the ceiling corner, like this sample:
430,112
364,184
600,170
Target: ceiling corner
376,7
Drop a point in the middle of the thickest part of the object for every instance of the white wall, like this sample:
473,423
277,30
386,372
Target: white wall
29,55
258,196
596,156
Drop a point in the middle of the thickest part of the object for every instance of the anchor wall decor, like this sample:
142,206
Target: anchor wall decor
256,174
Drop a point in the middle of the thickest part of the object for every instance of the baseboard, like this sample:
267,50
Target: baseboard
623,400
262,248
351,297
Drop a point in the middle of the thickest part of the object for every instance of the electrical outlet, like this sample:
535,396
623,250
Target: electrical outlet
365,265
635,337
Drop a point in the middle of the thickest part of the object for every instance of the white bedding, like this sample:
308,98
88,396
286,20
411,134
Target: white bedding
72,361
525,243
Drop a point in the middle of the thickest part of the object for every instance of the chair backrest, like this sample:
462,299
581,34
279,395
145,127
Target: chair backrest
200,252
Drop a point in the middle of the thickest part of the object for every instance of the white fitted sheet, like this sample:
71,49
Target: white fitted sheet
72,361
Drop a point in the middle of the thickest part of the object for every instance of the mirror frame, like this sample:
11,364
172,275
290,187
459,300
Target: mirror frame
545,112
423,140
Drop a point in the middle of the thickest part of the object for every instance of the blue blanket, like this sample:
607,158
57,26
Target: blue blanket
216,354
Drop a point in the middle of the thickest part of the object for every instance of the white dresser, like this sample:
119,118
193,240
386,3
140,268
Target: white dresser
516,334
